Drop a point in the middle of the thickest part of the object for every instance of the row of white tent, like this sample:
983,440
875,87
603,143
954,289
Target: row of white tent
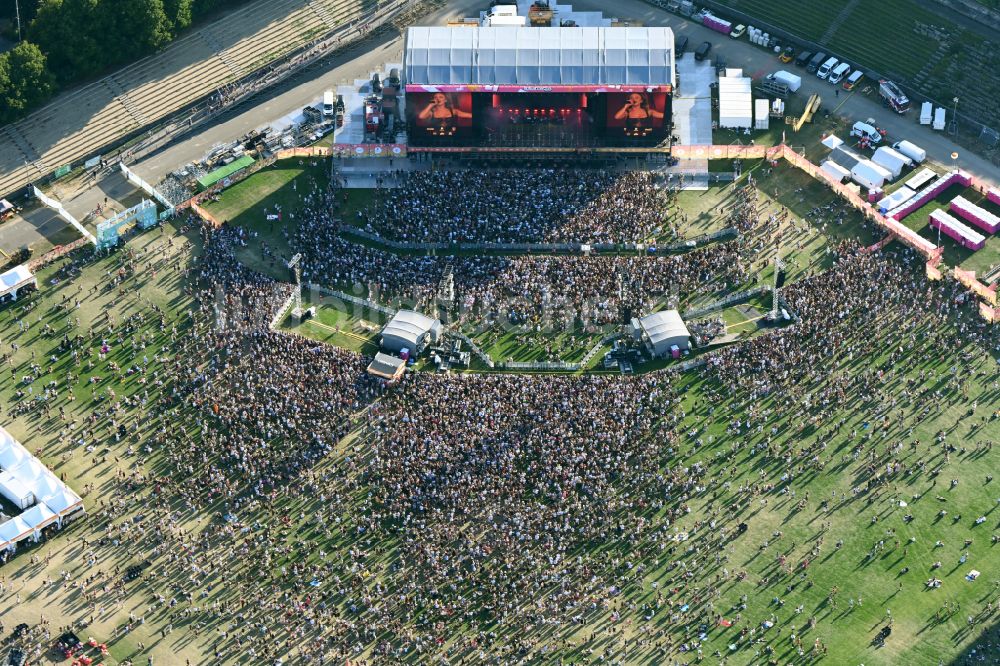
28,484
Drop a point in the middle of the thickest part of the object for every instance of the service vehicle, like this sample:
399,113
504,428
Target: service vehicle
838,73
893,96
824,71
853,80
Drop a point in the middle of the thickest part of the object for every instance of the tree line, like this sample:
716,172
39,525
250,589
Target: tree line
63,42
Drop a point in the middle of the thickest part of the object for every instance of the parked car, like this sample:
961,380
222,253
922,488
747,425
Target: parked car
838,73
680,46
702,51
738,31
803,59
824,71
816,61
854,79
787,54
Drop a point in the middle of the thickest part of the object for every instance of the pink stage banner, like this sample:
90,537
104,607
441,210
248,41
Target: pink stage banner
507,88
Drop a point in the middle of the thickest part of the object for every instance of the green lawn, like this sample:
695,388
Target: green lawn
643,581
339,324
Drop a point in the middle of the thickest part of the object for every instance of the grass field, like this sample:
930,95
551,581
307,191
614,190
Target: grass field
934,386
955,255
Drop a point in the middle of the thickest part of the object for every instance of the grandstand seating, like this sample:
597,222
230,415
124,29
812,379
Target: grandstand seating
81,122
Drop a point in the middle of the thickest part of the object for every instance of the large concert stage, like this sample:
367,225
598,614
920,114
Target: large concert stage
558,88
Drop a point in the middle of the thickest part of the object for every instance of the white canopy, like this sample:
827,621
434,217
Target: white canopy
63,501
14,530
12,453
15,276
832,141
410,330
539,56
663,329
39,516
838,172
735,100
16,491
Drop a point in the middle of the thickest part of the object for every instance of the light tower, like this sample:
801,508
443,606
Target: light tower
295,264
777,274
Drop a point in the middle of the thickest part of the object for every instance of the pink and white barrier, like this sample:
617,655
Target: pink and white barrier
994,195
960,233
937,187
980,217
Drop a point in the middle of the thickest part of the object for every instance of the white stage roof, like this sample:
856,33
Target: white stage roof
539,56
735,100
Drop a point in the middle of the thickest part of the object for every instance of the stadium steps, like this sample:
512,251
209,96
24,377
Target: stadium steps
844,14
323,13
344,11
29,153
213,44
161,84
122,97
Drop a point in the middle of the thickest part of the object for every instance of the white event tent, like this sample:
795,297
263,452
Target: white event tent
31,487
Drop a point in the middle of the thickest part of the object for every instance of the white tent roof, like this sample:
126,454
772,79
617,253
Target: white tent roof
832,141
15,490
15,276
735,101
409,326
14,530
62,500
663,325
835,170
38,516
538,56
12,453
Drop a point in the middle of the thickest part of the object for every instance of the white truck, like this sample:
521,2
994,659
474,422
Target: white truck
911,150
791,80
328,104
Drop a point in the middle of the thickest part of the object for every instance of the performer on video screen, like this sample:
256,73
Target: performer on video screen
441,110
637,110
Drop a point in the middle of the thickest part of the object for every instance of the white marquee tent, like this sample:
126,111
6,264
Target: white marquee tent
33,488
509,55
39,516
662,330
735,100
14,530
15,491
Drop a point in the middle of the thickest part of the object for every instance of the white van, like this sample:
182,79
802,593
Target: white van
866,131
854,79
826,68
839,72
328,104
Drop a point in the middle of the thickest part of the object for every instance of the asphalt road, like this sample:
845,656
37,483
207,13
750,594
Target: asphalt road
754,60
356,63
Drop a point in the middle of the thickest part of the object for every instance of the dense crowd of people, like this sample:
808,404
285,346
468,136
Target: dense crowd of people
521,206
306,512
524,289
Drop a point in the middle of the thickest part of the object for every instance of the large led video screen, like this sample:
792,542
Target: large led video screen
638,113
440,114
